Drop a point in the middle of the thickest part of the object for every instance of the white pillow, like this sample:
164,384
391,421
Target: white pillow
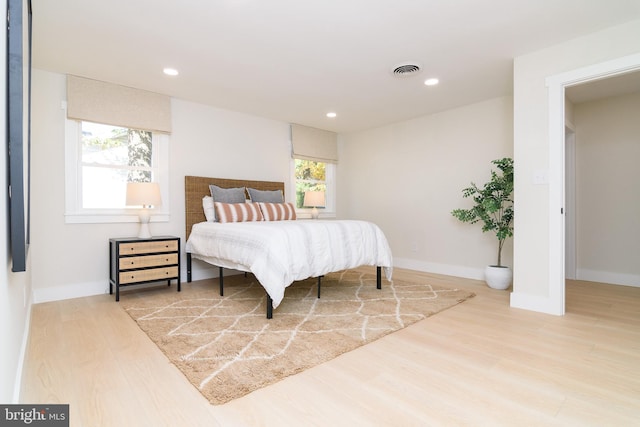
207,205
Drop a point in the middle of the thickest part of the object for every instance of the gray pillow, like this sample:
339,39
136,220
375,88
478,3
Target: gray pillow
265,196
227,195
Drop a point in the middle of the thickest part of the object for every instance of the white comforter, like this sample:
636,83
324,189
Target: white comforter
281,252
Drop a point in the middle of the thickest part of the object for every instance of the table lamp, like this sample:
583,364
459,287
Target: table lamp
314,199
145,194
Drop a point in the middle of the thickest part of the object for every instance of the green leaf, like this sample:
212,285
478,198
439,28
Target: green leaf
493,204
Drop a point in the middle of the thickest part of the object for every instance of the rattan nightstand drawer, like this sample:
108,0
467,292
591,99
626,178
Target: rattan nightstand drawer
151,274
148,247
134,262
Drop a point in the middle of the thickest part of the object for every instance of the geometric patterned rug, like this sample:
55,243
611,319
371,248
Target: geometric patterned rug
227,348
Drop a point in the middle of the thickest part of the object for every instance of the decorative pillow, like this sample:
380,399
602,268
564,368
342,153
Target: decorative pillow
237,212
265,196
227,195
207,205
278,211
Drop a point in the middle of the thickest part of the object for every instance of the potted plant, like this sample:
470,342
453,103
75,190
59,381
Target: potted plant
493,206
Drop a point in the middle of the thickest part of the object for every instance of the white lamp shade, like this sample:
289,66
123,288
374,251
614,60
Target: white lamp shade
314,198
143,194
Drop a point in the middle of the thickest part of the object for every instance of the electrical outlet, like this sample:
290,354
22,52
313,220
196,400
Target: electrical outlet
541,177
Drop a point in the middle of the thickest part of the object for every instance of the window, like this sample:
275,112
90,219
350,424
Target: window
100,160
312,175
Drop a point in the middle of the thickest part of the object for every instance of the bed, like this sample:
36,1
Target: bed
278,252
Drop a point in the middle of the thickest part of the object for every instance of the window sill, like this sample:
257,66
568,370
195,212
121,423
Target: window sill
323,215
106,218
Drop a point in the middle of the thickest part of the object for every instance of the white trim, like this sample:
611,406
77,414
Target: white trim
75,214
208,271
446,269
556,85
534,303
103,218
556,200
608,277
26,336
570,201
75,290
101,287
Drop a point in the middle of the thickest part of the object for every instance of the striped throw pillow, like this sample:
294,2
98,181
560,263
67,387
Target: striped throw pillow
278,211
237,212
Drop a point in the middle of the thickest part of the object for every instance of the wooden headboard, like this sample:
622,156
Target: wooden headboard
196,187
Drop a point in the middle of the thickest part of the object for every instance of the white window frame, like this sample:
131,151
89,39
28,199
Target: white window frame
76,214
329,211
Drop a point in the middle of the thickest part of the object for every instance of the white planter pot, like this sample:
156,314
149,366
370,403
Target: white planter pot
498,277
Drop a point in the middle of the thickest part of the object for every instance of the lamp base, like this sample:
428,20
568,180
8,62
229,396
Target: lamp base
144,232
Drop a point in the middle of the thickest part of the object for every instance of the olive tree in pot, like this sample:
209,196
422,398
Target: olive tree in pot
493,206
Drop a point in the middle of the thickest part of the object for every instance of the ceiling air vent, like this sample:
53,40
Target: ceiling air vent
406,69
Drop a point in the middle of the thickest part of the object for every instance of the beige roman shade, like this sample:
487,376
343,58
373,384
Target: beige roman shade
314,144
116,105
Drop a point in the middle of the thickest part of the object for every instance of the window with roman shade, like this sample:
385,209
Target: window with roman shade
108,103
113,135
314,144
314,160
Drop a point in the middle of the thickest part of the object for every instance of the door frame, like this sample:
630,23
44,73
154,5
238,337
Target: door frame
556,85
570,201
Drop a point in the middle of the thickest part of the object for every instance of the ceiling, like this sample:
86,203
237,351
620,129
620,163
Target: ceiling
611,86
294,60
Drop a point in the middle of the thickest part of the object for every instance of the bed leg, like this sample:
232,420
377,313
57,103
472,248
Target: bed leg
189,267
269,307
221,281
319,283
379,277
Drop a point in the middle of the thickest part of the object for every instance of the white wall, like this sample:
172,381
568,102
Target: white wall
14,287
532,150
422,164
72,259
409,176
608,200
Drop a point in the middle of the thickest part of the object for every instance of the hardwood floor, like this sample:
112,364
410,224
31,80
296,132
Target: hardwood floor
480,363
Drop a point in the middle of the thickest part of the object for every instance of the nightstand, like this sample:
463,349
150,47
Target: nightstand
133,261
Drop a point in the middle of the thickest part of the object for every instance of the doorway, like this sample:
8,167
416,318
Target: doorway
557,164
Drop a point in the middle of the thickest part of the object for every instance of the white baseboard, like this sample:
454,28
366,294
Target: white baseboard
202,273
446,269
608,277
75,290
523,301
17,385
78,290
535,303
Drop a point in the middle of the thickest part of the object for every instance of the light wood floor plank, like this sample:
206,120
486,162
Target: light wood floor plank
480,363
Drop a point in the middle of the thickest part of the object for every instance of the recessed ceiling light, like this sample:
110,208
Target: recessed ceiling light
170,71
431,82
331,115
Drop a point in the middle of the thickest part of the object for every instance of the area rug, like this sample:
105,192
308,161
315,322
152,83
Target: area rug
227,348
